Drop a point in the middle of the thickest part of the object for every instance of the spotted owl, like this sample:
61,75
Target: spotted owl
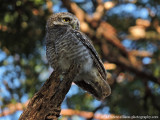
67,45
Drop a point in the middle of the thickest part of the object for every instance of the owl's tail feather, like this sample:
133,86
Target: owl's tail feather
100,89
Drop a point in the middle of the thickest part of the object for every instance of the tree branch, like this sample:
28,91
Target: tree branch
127,66
11,108
45,104
109,34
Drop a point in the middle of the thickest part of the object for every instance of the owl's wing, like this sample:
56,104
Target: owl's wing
98,87
87,42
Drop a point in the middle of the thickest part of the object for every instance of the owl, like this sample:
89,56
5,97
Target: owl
67,45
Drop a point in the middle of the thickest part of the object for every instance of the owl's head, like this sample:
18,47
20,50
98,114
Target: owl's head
63,19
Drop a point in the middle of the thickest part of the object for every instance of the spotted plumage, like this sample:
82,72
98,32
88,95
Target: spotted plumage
66,45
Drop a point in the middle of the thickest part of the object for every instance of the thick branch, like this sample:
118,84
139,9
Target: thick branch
45,104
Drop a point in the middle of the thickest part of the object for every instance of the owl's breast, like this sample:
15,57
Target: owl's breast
71,50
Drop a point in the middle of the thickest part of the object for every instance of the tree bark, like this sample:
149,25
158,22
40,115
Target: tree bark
46,103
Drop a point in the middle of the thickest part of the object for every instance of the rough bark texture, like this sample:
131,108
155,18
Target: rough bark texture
46,103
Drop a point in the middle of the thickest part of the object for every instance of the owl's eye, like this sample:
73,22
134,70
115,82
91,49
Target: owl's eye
66,19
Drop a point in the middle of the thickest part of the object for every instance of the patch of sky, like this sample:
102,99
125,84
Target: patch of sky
2,55
127,43
105,110
144,1
73,90
149,47
4,92
6,60
16,83
57,8
146,60
96,103
17,114
141,13
17,68
153,9
13,116
64,104
150,84
2,70
24,98
8,117
12,80
130,9
78,1
10,67
88,7
8,74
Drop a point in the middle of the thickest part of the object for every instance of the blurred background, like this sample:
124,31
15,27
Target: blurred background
126,34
